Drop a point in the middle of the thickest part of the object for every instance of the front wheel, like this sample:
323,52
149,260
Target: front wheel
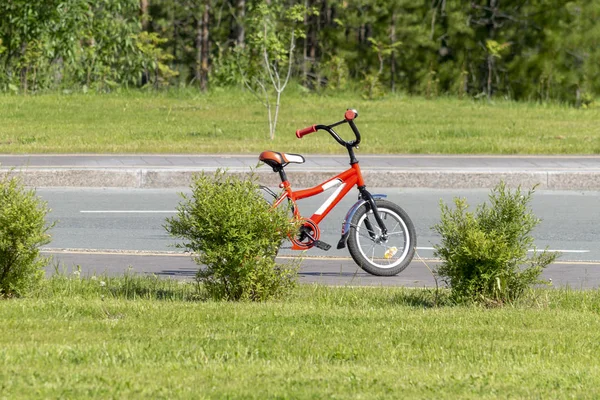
377,254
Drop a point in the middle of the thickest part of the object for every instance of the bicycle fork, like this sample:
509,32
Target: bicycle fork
364,198
369,198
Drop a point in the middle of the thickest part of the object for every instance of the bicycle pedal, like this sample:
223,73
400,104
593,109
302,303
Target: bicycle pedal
321,245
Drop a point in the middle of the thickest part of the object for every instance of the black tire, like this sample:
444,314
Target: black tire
370,253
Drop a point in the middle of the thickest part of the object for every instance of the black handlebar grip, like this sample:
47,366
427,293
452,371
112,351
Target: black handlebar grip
305,131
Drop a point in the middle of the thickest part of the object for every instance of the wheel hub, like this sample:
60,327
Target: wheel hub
379,239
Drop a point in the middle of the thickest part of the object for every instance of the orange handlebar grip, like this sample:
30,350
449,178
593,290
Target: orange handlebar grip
350,115
305,131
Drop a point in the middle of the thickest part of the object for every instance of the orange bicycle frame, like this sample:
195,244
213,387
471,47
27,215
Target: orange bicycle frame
344,181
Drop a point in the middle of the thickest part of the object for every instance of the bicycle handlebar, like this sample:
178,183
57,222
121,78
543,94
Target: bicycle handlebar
350,114
305,131
349,117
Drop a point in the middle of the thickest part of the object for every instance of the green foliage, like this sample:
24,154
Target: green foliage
272,31
484,254
155,58
108,54
532,50
495,49
75,43
230,67
335,70
372,80
23,230
230,229
372,86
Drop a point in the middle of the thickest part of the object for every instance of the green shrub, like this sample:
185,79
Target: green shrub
484,254
23,230
230,229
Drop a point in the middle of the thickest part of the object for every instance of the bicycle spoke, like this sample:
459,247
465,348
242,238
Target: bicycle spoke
368,237
370,231
395,233
368,224
373,246
369,249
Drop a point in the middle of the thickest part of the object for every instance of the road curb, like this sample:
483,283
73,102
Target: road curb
147,178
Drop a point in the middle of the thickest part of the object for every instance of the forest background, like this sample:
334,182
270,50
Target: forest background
536,50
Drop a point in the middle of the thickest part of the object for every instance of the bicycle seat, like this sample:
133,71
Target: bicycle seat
279,160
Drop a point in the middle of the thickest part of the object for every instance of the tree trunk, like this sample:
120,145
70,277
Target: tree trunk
205,49
58,75
317,52
491,26
490,65
305,49
361,34
24,69
175,46
198,45
144,14
393,55
240,29
312,49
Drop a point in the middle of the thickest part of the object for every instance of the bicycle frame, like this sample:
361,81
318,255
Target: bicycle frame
346,180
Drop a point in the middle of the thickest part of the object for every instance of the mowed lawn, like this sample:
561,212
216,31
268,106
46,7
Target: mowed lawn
234,121
154,339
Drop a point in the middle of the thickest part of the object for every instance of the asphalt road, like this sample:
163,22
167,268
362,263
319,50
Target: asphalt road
127,225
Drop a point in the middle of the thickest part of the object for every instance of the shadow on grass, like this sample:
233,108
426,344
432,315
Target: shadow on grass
422,297
130,286
149,288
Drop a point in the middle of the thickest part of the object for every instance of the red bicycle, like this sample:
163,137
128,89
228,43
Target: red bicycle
380,236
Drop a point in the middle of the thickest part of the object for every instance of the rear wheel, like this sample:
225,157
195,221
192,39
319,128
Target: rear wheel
378,254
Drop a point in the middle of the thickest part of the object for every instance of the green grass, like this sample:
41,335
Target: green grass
151,338
235,122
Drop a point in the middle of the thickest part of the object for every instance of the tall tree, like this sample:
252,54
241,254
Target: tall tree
205,46
145,16
240,37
